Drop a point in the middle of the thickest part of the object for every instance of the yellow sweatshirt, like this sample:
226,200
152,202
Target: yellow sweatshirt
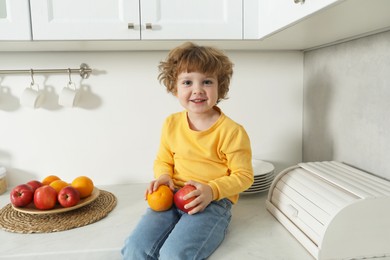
219,156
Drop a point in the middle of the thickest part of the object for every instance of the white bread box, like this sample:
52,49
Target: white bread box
334,210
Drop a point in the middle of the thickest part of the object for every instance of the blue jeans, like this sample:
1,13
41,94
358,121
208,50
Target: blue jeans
174,234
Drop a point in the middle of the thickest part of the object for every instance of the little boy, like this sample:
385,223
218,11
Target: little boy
200,146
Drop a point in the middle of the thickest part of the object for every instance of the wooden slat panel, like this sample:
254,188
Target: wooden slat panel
337,180
304,221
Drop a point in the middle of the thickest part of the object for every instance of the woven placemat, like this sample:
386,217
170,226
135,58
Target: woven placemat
14,221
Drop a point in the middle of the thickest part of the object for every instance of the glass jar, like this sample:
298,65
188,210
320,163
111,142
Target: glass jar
3,181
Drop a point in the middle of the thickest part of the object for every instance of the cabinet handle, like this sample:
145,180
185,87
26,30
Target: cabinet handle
149,26
130,25
299,2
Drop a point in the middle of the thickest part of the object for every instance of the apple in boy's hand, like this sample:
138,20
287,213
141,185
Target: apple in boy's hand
68,197
178,198
45,197
21,195
34,184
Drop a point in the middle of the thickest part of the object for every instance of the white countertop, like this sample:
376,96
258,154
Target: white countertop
253,234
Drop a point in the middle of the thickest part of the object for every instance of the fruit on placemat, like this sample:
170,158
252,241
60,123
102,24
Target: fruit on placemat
68,197
21,195
34,184
180,201
59,185
49,179
45,197
161,199
46,194
84,185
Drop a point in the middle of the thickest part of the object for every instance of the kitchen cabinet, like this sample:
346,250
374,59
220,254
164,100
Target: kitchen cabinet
273,16
85,20
136,19
15,20
281,24
105,25
188,19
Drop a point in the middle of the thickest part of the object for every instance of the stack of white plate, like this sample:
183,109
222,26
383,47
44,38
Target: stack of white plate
263,174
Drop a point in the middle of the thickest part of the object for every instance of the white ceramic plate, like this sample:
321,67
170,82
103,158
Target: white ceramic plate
255,191
264,177
261,167
261,184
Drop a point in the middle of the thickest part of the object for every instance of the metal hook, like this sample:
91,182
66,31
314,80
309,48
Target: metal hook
70,78
32,77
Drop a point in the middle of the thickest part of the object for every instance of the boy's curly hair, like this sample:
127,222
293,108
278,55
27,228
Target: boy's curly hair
190,57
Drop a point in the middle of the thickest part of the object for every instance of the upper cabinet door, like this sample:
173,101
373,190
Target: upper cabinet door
85,19
265,17
14,20
189,19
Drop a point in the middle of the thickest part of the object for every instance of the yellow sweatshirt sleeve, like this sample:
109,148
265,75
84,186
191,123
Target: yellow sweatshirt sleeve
164,163
238,154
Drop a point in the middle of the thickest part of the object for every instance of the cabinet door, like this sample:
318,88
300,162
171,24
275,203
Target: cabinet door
189,19
85,19
270,16
14,20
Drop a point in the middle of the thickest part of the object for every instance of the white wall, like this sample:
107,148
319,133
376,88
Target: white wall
347,91
114,133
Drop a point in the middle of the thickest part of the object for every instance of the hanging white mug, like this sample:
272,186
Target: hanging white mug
31,97
69,95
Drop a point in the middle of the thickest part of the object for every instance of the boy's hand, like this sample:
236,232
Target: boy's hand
203,194
164,179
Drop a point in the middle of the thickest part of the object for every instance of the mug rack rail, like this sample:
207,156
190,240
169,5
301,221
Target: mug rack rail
84,71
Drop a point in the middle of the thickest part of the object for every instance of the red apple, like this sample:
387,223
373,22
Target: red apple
45,197
68,197
21,195
34,184
178,198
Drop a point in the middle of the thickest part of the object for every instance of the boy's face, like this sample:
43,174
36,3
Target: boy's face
197,92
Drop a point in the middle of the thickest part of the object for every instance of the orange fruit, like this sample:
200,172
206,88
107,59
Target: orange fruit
84,185
49,179
58,185
161,199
